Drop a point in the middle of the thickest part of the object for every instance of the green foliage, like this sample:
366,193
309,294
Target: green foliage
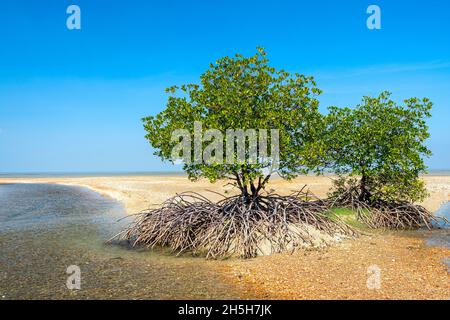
342,212
349,216
382,143
244,93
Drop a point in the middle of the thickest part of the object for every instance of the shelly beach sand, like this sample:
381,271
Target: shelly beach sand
409,268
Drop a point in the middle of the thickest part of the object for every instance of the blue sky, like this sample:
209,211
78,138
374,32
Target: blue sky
72,100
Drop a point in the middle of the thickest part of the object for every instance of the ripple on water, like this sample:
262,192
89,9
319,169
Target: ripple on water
46,228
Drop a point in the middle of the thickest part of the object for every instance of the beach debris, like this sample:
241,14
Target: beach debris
235,226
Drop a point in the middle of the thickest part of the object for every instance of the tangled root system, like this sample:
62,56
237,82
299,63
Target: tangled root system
400,215
237,226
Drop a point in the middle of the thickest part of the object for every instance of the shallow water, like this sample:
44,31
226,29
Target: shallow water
25,206
444,211
46,228
441,237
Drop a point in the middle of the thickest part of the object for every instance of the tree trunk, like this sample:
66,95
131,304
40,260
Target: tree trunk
244,186
364,194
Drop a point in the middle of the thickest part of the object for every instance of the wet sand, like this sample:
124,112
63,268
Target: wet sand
409,269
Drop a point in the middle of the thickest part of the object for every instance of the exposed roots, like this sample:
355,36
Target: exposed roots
236,226
401,215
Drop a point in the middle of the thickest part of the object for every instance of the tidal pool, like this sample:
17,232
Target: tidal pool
441,236
46,228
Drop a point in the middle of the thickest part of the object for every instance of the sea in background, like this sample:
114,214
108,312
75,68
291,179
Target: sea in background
437,172
443,172
90,174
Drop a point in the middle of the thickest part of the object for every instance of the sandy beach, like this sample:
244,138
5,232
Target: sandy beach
137,193
409,268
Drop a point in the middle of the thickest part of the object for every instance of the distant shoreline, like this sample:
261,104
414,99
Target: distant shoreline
139,191
443,172
93,174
